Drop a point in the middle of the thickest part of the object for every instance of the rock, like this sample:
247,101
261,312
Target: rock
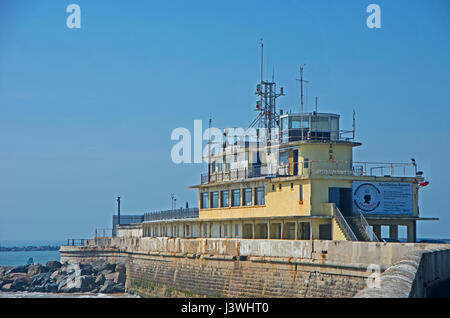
121,268
77,284
119,288
52,265
54,275
107,288
99,265
86,269
107,271
100,279
51,288
20,284
18,269
36,269
41,279
116,277
7,287
3,270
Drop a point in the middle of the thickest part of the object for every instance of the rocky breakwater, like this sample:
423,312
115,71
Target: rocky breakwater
54,277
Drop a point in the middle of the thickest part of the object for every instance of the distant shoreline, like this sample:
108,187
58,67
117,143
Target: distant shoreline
29,248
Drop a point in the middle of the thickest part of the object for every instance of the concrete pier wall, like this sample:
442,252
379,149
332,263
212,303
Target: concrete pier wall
244,268
414,275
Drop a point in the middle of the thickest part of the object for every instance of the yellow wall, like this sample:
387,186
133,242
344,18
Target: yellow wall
278,202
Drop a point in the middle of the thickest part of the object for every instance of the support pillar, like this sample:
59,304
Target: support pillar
377,230
412,232
393,232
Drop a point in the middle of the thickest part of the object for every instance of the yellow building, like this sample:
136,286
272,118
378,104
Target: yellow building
294,178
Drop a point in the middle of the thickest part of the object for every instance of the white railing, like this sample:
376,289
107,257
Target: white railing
343,224
369,231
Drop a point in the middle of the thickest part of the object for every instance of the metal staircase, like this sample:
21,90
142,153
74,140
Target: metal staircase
355,227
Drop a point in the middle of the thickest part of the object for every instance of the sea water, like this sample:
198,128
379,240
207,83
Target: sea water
22,257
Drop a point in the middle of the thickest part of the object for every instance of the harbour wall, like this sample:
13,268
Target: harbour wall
173,267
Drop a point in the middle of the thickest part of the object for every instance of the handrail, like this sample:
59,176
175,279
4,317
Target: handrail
369,232
343,223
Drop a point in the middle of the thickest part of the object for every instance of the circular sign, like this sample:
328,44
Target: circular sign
367,197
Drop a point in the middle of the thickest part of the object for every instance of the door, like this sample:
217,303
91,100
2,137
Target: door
342,197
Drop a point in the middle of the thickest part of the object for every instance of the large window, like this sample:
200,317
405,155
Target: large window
225,199
214,200
248,197
205,200
301,192
306,163
236,200
259,196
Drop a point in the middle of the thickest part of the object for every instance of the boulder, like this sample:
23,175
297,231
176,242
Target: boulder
41,279
86,269
51,288
119,288
18,269
77,284
99,265
116,277
121,268
36,269
107,288
52,265
20,284
54,275
100,279
7,287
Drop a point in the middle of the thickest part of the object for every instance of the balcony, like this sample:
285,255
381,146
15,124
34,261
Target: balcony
181,213
316,168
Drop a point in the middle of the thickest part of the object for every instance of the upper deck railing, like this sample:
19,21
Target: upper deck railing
171,214
315,168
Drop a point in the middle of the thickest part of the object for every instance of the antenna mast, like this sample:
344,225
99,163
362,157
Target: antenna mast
266,106
301,80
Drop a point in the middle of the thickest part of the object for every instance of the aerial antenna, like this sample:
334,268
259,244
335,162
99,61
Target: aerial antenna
301,80
354,124
209,149
316,104
261,43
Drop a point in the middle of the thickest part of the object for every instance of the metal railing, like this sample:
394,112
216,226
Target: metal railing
343,224
103,233
171,214
315,167
76,242
368,230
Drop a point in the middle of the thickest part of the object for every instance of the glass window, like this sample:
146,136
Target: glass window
248,197
205,200
259,196
236,197
225,199
301,192
306,163
214,200
225,230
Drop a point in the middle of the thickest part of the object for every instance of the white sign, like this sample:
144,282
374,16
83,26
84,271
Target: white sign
383,197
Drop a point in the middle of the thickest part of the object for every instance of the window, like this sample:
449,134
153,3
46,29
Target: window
259,196
214,200
273,187
248,197
300,192
205,200
306,163
225,199
236,230
236,193
292,185
205,230
225,230
279,186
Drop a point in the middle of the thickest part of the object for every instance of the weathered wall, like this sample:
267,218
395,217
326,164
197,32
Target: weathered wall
243,268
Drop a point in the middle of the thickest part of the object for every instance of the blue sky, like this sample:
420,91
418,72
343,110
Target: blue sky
86,114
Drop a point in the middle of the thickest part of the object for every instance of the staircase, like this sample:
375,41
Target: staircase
357,228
